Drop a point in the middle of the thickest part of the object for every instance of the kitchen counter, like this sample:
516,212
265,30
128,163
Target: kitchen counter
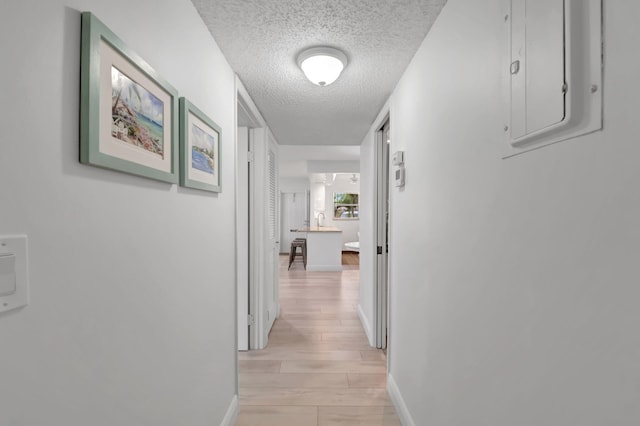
316,229
324,248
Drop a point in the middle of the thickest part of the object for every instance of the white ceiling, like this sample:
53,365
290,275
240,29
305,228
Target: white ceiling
261,39
294,160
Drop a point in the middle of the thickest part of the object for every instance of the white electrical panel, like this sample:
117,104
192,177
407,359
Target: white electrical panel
537,66
552,71
14,279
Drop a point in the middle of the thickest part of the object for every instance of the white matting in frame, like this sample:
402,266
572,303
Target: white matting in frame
202,141
115,138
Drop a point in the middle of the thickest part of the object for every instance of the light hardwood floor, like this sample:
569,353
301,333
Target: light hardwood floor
318,369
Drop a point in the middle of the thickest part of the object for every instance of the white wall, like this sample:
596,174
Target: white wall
293,184
317,197
514,283
132,280
333,166
290,187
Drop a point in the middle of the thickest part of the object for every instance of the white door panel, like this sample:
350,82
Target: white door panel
272,248
242,238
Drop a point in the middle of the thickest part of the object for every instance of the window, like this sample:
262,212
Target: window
345,205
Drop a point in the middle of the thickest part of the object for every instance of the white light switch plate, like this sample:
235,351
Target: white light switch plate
14,275
7,274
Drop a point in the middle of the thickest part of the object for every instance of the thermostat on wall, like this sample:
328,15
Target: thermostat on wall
399,175
398,170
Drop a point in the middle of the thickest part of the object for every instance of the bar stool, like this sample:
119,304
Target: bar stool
302,243
304,250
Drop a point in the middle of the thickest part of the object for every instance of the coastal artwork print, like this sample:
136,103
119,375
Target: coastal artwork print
202,150
199,149
128,113
137,114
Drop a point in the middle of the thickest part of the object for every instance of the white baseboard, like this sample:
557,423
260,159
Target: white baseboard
324,268
232,413
398,402
367,327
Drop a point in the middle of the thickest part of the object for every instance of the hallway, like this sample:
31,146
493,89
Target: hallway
318,368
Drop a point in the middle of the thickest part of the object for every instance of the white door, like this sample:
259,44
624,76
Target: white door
264,233
272,242
242,243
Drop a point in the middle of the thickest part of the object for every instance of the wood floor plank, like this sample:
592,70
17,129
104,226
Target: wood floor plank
363,367
277,416
351,322
358,416
331,397
300,354
349,336
320,316
367,380
294,380
321,329
320,345
373,355
284,322
259,366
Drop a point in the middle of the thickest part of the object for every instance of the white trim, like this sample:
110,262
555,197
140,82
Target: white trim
258,201
232,413
382,233
244,101
398,402
324,268
366,325
247,104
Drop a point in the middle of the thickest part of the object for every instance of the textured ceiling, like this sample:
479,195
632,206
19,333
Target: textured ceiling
262,38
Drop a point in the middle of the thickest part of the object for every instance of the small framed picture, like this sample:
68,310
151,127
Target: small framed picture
128,113
200,139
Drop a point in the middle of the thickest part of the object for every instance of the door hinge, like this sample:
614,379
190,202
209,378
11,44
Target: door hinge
379,249
250,320
250,156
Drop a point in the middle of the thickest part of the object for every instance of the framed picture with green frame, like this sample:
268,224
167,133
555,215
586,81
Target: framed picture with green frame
128,113
200,139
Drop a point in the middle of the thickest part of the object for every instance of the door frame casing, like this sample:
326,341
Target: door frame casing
382,195
242,236
257,130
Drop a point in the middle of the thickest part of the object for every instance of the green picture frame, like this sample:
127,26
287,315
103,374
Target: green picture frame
200,149
128,113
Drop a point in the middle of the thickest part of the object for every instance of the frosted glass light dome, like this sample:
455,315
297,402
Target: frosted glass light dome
322,65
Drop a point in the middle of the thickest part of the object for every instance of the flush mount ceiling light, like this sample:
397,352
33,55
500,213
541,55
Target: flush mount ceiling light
322,65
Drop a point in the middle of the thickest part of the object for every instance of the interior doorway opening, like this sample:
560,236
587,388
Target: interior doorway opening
257,224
